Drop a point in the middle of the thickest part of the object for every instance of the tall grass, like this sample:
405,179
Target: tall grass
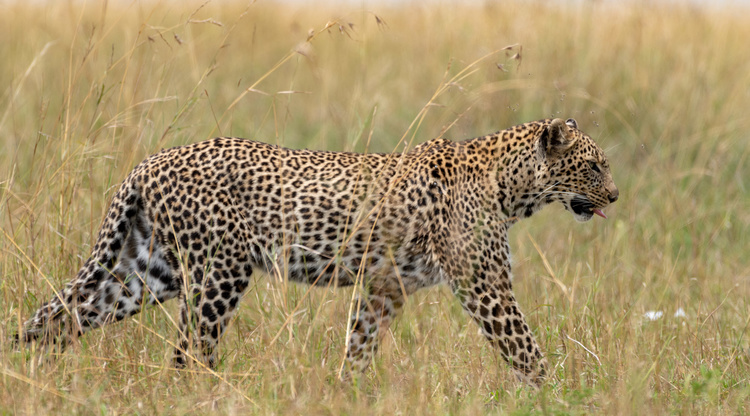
90,89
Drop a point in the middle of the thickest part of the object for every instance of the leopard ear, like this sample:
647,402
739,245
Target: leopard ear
557,138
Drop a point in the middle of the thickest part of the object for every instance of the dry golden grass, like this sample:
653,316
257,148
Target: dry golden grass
88,90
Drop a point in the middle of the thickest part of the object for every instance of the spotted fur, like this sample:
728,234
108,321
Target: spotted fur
194,222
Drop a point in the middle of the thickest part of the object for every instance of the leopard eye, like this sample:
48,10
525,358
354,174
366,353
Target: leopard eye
594,166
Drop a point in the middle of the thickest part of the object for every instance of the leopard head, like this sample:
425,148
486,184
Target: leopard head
573,170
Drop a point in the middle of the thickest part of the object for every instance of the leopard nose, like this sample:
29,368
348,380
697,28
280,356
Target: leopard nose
614,195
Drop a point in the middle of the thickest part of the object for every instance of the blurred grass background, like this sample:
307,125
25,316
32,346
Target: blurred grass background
88,89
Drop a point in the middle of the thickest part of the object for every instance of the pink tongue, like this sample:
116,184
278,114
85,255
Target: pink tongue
599,213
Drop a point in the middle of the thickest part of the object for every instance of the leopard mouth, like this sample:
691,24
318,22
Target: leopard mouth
584,208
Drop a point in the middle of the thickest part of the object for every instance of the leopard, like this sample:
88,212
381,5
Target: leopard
194,222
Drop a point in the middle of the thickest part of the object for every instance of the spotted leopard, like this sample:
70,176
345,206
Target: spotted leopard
194,222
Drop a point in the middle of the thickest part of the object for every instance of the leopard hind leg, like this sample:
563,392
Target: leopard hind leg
207,307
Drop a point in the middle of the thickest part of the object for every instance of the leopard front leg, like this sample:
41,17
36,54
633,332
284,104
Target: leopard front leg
476,261
372,316
494,308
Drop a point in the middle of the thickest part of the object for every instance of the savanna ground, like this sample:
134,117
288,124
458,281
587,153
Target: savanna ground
89,89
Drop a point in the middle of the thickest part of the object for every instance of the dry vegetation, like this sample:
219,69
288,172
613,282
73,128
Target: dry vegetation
88,90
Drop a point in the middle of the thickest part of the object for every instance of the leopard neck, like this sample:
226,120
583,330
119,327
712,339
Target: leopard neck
508,165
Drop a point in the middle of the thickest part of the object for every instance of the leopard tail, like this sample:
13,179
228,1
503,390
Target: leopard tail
59,318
